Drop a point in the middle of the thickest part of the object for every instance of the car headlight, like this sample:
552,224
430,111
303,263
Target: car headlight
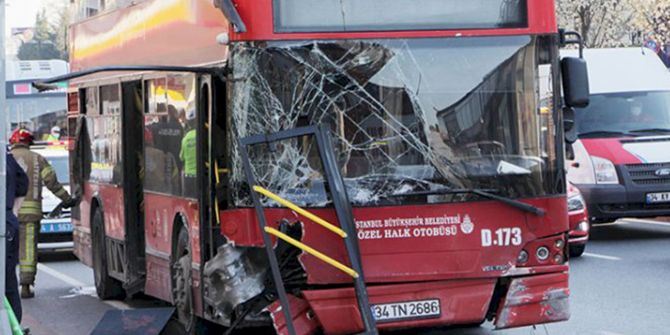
604,170
576,203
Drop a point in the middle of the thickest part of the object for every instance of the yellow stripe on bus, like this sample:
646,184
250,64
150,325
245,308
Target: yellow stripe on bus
301,211
155,15
312,251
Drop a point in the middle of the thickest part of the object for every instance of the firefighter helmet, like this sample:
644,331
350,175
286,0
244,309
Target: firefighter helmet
21,136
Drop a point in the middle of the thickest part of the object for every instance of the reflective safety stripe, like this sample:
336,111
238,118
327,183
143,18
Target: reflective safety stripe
46,171
31,207
31,204
30,211
60,193
29,263
30,241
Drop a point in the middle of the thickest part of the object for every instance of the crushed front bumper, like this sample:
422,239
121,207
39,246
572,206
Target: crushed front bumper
462,302
529,300
533,300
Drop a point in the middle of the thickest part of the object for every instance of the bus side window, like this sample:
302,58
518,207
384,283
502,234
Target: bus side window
162,140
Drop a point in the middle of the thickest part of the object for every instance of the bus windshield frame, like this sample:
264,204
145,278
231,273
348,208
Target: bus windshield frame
354,16
407,115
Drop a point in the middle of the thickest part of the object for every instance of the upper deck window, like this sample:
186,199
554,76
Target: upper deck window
389,15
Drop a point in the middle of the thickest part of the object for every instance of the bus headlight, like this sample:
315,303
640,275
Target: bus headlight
604,170
558,244
542,253
523,257
576,203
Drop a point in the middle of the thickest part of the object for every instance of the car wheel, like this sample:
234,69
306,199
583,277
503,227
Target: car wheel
577,250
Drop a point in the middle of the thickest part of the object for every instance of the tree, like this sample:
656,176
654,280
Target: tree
50,38
60,29
602,23
653,20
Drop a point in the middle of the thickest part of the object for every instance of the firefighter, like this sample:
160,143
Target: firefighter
17,186
40,173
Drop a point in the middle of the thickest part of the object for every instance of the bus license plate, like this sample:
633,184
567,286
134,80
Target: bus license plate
47,228
654,198
409,310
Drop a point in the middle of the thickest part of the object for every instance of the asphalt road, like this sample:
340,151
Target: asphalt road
621,286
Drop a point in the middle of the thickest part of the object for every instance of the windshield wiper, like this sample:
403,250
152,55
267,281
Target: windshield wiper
604,132
651,130
484,193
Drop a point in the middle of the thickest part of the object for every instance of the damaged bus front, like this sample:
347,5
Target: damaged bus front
450,150
322,169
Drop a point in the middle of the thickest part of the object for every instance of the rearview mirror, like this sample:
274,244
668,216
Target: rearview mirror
575,82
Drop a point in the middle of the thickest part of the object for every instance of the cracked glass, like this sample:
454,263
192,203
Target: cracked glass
405,115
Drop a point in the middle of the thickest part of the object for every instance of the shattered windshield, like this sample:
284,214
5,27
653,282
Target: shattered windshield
406,115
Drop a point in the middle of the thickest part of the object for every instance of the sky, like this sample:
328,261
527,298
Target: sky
21,13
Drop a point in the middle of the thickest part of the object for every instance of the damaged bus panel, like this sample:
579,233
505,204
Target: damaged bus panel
321,170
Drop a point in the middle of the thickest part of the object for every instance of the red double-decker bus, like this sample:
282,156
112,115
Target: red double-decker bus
342,167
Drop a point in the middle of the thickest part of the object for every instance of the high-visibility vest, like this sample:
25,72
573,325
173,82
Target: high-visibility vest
188,153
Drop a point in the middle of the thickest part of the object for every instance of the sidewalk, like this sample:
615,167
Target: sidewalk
36,328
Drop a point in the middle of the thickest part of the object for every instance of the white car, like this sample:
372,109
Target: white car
55,232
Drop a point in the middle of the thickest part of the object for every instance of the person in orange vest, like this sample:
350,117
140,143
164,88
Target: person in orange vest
40,173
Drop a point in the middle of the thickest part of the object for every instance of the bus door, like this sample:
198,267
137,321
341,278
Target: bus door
211,105
133,156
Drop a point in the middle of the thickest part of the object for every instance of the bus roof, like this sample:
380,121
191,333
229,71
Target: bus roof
613,70
185,32
152,32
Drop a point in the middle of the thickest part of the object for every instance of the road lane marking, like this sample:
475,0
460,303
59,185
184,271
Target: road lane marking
609,258
76,283
615,223
59,275
117,304
651,222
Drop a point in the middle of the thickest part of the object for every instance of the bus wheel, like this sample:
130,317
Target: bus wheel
182,294
105,286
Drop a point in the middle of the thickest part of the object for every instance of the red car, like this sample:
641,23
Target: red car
579,222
